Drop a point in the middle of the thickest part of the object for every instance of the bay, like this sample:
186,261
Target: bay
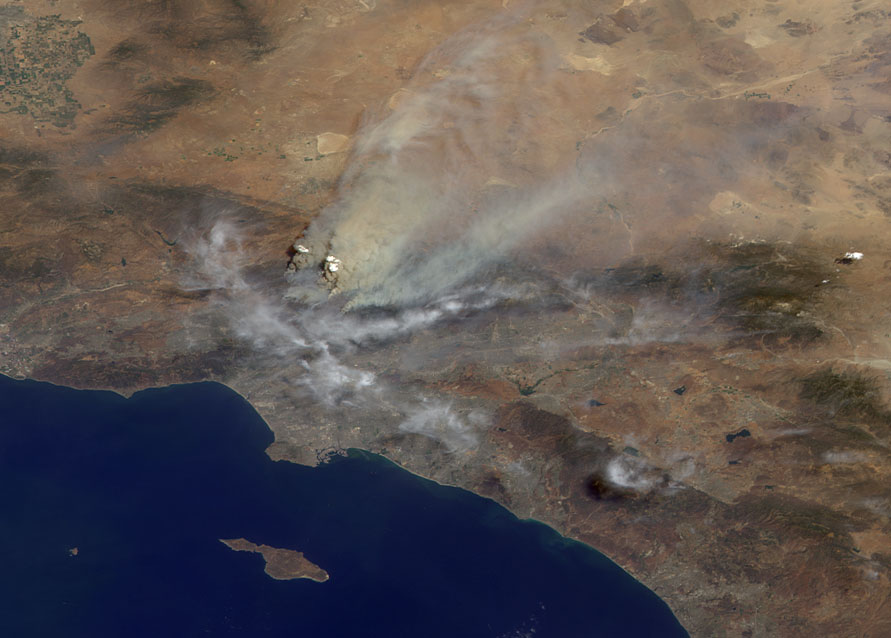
112,511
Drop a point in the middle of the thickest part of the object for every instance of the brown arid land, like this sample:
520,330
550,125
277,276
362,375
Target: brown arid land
281,564
622,267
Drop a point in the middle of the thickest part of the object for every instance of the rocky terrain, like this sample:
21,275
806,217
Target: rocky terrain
281,564
623,268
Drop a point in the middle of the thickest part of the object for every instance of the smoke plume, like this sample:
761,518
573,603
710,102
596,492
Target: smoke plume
431,196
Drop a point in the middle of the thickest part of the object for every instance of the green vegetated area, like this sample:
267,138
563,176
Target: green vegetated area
37,57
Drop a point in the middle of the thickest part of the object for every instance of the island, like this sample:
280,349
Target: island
281,564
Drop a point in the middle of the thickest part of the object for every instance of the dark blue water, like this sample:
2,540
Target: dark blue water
145,487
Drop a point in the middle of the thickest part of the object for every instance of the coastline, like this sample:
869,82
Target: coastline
143,442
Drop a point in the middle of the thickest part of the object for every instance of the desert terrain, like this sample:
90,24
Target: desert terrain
623,267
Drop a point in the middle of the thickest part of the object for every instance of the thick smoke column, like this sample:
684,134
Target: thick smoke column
431,194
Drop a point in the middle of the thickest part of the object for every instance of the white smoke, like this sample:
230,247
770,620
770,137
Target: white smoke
220,260
429,198
331,381
844,457
445,184
311,335
630,473
437,420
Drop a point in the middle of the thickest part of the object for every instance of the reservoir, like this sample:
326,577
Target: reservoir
113,510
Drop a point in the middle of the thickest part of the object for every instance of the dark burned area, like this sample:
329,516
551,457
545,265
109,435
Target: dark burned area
586,454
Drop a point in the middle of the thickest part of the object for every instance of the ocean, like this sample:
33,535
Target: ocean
111,511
